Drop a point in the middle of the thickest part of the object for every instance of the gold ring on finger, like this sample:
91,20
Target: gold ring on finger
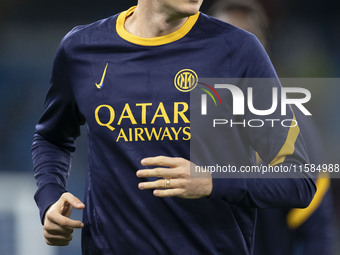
167,184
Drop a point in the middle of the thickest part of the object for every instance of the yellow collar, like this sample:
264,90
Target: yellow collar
156,41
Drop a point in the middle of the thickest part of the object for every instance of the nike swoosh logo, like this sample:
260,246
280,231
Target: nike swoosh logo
100,85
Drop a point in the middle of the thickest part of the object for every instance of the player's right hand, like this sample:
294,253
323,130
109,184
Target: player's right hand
58,227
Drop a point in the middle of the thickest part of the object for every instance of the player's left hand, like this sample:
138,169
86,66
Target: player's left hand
176,180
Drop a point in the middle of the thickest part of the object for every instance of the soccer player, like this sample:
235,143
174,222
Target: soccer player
127,78
286,231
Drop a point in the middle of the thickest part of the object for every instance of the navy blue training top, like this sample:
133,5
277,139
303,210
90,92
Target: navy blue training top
122,86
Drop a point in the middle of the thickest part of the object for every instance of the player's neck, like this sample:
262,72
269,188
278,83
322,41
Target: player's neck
149,22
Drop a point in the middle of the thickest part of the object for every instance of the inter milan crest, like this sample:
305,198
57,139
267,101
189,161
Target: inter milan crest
186,80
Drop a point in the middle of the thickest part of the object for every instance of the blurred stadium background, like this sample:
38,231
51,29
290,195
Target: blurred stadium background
304,42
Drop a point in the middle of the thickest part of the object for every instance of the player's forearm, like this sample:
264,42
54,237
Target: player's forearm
285,193
265,193
51,164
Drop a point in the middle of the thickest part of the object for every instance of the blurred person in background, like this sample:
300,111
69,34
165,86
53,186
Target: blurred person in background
308,231
246,14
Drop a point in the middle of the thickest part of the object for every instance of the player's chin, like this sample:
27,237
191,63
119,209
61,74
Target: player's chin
192,7
189,12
